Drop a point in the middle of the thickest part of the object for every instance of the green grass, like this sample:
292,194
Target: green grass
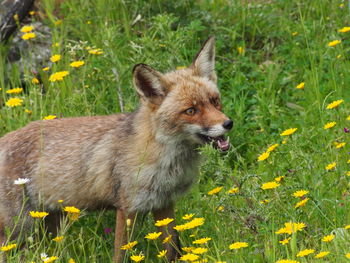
258,92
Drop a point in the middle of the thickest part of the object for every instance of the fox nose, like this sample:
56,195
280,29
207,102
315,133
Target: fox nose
228,124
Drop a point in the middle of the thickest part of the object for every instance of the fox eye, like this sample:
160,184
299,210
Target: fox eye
190,111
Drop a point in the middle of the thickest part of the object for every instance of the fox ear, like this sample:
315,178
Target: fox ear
148,83
204,61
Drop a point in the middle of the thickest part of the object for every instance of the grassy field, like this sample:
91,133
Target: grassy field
265,51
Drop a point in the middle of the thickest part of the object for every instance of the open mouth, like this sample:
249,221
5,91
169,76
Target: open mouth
218,142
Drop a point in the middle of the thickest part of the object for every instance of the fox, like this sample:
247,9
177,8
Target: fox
134,163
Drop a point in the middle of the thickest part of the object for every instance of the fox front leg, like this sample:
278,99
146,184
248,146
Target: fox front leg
173,246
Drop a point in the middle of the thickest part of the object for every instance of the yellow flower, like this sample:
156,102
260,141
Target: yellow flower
263,156
331,166
35,81
58,22
188,216
28,111
272,147
240,50
50,259
238,245
344,29
8,247
77,64
189,257
328,238
167,239
28,36
284,241
55,58
305,252
290,228
339,56
46,69
26,29
284,141
58,76
347,255
300,193
36,214
347,227
322,254
279,178
14,91
339,145
348,173
164,222
234,190
270,185
334,104
348,118
58,238
32,13
334,43
201,241
13,102
129,246
73,212
15,17
329,125
56,44
188,249
153,236
287,261
161,253
302,203
189,225
264,202
71,260
137,258
289,132
300,86
199,250
215,190
221,208
295,34
96,51
50,117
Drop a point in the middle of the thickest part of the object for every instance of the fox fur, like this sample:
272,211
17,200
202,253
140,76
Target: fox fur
135,162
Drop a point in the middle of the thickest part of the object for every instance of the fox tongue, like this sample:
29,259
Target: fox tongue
223,144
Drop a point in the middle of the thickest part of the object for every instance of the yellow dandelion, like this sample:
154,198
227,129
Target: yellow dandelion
164,222
305,252
322,254
167,239
238,245
153,236
265,201
347,227
348,173
162,254
215,190
191,224
28,111
347,255
97,51
329,125
73,212
328,238
334,43
188,249
26,29
58,76
129,246
300,85
50,117
289,131
28,36
348,118
71,260
300,193
58,238
233,190
46,69
270,185
302,203
279,178
284,241
201,241
8,247
188,216
50,259
77,64
55,58
339,145
290,228
35,81
263,156
344,29
221,208
137,258
14,102
199,250
286,261
14,91
36,214
189,257
272,147
334,104
331,166
240,50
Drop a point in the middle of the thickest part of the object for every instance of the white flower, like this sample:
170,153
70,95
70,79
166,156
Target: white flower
21,181
43,256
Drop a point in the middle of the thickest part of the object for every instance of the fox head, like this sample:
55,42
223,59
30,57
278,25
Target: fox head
185,104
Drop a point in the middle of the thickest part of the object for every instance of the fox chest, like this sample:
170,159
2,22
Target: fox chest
160,184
